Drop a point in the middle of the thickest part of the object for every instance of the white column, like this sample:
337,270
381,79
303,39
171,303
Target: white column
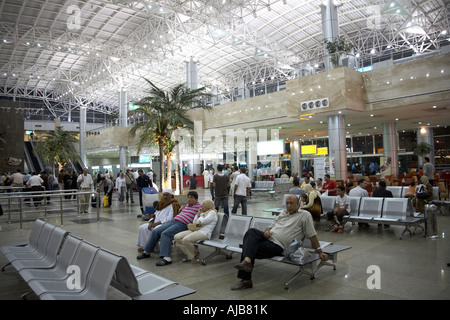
123,122
330,26
295,157
425,134
83,134
390,145
336,136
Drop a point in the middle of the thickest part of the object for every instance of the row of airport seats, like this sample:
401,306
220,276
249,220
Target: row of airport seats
400,191
392,211
263,186
233,237
58,265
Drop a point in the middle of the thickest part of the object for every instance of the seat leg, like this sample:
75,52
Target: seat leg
3,268
216,252
301,271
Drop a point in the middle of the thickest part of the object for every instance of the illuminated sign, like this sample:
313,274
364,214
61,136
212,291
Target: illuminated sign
311,149
144,159
322,151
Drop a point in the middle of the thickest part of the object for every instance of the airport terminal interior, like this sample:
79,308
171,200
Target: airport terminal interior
356,89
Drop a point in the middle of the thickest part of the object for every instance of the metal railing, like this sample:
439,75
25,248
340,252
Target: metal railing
16,202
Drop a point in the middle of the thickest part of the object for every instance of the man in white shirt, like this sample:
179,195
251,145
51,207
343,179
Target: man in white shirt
85,183
35,183
428,170
242,187
342,208
17,179
360,190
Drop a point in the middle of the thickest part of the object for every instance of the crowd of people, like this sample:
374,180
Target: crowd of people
196,221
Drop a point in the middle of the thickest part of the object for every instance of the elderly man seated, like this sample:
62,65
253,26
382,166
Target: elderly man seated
292,223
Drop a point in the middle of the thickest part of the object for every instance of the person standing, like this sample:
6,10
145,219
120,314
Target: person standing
35,183
142,181
211,183
17,179
242,187
108,187
121,186
221,183
85,182
130,180
428,170
192,182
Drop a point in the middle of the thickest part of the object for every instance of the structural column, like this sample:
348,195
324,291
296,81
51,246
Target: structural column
295,158
192,74
83,111
390,146
330,26
425,134
123,122
336,134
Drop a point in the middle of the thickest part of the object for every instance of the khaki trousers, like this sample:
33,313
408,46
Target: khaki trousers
185,240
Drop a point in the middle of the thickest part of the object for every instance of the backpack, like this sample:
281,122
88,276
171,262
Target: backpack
421,191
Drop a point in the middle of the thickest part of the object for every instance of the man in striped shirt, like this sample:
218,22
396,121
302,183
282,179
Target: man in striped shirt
167,231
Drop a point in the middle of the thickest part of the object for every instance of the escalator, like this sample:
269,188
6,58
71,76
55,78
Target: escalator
33,163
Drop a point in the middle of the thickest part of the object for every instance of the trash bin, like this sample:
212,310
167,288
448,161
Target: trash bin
149,195
431,221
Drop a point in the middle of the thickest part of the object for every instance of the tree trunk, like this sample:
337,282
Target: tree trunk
161,166
169,172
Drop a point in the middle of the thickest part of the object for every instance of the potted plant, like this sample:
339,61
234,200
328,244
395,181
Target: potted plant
336,48
422,149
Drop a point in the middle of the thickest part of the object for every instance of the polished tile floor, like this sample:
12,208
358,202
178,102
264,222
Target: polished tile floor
412,268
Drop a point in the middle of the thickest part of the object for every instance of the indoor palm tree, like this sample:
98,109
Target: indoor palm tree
57,147
164,112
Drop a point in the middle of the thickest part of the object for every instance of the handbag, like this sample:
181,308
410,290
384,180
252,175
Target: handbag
195,226
316,209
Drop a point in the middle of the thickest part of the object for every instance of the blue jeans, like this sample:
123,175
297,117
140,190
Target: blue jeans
221,201
165,232
240,200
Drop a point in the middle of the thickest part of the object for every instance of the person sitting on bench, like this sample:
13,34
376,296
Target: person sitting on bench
342,208
291,224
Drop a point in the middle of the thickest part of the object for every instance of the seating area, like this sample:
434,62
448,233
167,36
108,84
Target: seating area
392,211
235,230
44,261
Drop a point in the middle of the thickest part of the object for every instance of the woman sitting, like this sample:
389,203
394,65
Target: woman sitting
166,210
185,240
314,204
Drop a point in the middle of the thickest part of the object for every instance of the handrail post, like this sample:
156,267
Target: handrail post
61,206
98,206
20,213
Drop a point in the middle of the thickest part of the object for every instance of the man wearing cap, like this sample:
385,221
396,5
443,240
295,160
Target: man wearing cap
165,210
167,231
